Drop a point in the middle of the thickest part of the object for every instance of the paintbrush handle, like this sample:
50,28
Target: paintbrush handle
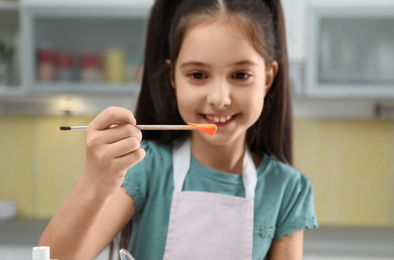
81,127
165,127
141,127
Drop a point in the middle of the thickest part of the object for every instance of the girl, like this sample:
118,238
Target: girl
230,196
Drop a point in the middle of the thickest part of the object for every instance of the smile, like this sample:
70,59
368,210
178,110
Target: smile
219,119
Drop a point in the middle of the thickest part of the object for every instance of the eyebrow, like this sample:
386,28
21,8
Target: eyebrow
193,63
245,62
202,64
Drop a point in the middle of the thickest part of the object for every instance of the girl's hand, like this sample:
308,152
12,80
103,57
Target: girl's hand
112,147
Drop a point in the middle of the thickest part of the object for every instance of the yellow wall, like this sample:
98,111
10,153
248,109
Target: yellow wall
38,162
350,164
16,162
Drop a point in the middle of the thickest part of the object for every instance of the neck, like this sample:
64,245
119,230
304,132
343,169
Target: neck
226,158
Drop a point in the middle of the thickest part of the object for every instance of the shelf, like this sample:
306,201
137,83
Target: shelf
88,88
54,102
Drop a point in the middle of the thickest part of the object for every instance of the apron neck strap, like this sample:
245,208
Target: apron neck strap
181,164
249,175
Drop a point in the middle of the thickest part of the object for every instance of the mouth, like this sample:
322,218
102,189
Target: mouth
219,120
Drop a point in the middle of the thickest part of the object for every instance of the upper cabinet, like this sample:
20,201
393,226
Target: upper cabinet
91,46
83,48
351,51
338,49
70,49
295,12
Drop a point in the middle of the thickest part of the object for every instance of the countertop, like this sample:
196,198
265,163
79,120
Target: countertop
21,231
362,241
374,241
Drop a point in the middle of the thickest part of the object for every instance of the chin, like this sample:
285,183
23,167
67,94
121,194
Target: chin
218,139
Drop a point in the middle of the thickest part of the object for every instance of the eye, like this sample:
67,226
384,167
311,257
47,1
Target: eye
198,75
241,75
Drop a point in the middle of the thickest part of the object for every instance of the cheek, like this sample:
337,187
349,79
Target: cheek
186,102
254,103
183,96
258,105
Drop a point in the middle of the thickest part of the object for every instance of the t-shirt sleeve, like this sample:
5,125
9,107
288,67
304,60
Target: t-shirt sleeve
138,177
297,210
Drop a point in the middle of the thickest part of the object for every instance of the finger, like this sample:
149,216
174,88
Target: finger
120,132
111,116
123,147
129,160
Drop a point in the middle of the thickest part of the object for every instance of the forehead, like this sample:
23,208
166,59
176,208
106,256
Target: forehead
236,24
217,40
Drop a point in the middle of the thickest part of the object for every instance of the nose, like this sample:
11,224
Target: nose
219,94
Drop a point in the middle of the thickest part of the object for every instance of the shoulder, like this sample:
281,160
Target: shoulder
289,194
281,174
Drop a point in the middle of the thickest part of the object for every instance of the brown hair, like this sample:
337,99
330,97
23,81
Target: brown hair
262,23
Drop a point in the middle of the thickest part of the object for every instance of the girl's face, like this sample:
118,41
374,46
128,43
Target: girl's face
220,79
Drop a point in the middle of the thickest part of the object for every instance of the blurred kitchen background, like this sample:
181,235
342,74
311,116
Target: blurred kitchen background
62,62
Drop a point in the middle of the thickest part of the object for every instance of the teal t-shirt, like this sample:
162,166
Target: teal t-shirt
283,199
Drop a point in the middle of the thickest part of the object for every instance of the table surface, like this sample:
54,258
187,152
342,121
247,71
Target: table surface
326,240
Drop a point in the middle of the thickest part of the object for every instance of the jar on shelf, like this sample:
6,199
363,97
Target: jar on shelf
45,65
114,60
64,67
90,68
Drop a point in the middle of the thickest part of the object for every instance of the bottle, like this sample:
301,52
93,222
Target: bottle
64,67
45,65
114,66
40,253
90,68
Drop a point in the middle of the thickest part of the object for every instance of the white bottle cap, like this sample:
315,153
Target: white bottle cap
40,253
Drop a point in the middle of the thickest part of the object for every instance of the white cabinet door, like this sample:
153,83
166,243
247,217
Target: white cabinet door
296,18
351,52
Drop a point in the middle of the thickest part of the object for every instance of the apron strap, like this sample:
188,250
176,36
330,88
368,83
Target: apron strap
181,162
181,165
249,175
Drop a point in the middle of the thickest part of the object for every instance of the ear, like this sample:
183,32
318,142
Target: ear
171,72
271,74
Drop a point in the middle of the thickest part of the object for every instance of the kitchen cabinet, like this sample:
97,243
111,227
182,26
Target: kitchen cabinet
296,19
77,32
111,33
351,51
100,25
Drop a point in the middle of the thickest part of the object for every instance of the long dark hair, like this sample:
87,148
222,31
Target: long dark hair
169,20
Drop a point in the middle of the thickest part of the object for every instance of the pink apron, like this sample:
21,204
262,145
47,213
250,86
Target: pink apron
206,225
